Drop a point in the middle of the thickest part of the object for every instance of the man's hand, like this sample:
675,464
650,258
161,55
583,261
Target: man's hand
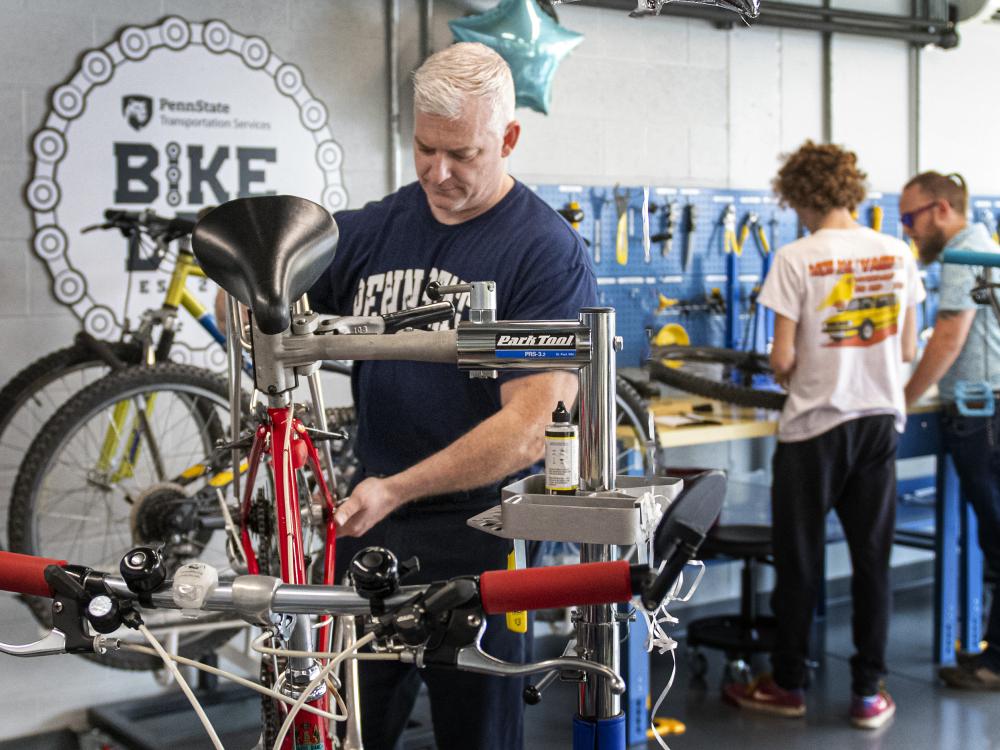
372,500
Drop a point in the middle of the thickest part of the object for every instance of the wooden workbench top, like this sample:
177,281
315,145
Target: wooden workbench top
697,421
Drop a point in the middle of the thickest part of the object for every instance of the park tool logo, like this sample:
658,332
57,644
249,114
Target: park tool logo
535,346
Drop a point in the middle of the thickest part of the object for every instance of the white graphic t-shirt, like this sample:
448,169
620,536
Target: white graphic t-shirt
849,291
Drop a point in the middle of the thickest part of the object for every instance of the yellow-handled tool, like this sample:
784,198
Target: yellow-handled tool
517,622
877,215
730,243
621,233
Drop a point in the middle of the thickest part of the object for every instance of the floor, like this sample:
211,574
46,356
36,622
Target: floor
928,714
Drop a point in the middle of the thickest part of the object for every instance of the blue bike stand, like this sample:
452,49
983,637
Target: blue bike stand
603,734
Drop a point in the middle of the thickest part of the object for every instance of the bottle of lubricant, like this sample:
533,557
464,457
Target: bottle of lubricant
562,454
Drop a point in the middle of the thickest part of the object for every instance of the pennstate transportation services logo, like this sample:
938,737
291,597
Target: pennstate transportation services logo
173,117
137,110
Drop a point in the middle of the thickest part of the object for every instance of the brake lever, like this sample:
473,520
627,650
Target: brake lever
53,643
472,659
67,635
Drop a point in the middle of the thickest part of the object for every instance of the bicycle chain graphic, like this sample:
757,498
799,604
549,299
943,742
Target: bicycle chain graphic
68,102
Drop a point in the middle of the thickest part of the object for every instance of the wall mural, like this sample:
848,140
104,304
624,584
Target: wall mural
172,116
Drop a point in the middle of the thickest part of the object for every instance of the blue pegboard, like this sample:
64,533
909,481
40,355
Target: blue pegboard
633,289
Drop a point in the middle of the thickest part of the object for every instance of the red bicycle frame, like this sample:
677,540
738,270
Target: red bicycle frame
286,440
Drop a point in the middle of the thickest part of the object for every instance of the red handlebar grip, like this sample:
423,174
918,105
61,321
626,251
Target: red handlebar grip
559,586
25,574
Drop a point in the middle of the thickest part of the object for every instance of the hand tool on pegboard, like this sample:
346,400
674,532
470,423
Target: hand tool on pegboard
621,232
877,215
691,225
989,219
646,256
597,201
673,215
730,243
752,224
572,212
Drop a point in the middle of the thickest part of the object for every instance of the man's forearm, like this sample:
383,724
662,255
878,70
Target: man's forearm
939,356
497,447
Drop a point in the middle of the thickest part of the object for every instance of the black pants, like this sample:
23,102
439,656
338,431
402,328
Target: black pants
852,469
974,445
469,711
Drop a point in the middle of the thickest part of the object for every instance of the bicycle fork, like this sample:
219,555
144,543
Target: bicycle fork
290,447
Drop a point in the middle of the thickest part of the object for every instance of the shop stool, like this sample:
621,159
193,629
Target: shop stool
742,635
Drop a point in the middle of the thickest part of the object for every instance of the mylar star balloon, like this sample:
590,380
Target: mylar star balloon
531,42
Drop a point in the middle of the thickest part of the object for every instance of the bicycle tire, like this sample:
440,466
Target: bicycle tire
27,385
632,410
730,393
30,398
40,511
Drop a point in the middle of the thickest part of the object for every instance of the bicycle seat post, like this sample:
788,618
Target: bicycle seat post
597,625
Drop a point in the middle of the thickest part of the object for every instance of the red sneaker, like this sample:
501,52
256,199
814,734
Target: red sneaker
872,711
764,694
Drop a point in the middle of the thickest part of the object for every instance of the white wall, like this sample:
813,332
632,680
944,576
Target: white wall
959,108
663,101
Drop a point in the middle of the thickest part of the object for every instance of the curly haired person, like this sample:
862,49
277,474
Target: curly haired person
844,299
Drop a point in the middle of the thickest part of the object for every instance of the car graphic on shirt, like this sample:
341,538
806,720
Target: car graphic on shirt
864,318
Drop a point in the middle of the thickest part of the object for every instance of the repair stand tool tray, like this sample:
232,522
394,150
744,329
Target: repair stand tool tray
617,517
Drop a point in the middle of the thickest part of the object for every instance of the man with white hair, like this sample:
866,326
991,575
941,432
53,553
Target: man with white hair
435,446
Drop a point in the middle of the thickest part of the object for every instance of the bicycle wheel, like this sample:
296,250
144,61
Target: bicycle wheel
746,364
638,439
33,394
105,474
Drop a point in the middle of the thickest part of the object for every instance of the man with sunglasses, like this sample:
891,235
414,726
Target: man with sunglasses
965,346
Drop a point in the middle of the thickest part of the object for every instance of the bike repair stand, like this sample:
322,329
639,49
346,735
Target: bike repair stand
607,512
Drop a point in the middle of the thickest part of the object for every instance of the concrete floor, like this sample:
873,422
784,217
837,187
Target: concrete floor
929,716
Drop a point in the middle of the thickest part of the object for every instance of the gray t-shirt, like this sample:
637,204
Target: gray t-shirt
979,359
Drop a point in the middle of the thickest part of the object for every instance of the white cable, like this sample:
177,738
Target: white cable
182,683
660,640
659,701
257,645
229,676
323,673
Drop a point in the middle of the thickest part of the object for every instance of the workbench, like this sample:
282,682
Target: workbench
958,575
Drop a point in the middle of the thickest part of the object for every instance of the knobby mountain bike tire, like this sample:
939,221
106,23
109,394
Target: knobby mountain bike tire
747,363
33,395
632,412
77,498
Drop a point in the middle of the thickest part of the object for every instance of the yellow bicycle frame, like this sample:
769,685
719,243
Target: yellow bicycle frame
177,296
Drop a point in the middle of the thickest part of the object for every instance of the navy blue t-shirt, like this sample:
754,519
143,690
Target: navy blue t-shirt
389,251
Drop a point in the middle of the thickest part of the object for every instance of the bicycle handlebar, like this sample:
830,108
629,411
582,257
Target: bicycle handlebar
158,227
25,574
553,587
971,258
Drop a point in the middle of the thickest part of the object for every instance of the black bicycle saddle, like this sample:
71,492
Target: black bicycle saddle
266,252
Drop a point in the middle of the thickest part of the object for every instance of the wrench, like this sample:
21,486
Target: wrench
597,201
